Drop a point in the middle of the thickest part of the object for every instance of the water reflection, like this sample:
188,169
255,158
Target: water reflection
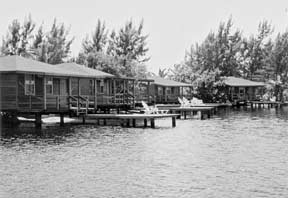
239,153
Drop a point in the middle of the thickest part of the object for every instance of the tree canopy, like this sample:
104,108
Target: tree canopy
122,53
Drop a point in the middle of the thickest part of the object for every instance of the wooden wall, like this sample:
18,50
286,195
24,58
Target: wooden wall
14,98
30,102
59,99
160,94
8,91
54,102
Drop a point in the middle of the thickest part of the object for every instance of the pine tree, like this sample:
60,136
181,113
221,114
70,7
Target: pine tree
98,39
279,61
18,38
257,49
52,47
129,45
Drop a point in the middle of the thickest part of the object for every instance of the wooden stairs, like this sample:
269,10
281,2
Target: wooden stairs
79,105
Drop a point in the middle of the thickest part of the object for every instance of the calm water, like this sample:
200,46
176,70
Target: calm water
235,154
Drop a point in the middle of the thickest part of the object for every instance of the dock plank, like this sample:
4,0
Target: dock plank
131,116
127,117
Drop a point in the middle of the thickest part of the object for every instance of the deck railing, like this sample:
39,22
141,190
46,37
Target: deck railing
79,104
30,103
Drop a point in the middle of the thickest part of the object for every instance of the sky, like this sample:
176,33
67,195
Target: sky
172,25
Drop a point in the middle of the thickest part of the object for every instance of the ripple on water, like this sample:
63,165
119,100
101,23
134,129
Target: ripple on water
239,153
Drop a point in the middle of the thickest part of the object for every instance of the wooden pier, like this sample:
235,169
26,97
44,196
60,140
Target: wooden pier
215,105
126,119
263,104
203,110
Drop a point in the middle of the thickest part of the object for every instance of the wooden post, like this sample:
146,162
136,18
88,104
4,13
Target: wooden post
173,121
179,112
127,122
114,90
199,114
134,122
83,119
148,92
38,120
95,95
61,119
185,115
17,95
30,102
208,114
124,90
69,92
145,122
44,94
79,91
152,123
70,86
134,97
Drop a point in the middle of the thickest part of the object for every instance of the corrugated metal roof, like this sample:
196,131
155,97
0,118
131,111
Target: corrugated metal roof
240,82
168,83
83,69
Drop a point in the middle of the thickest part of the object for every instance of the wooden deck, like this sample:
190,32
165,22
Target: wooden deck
202,111
168,106
126,118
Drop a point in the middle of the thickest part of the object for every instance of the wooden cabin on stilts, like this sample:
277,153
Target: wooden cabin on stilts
32,87
240,91
166,91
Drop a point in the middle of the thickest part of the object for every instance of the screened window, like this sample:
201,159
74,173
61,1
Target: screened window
102,86
74,86
173,90
29,85
168,91
87,87
56,86
91,87
49,85
160,91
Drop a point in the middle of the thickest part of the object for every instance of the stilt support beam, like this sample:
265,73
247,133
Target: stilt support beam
38,120
145,122
61,119
152,123
134,122
173,121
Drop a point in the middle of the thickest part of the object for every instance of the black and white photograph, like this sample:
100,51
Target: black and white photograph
144,99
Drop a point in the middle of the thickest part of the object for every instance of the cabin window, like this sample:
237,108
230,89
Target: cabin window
29,85
102,86
160,91
49,85
173,90
86,86
56,86
74,86
168,91
91,85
